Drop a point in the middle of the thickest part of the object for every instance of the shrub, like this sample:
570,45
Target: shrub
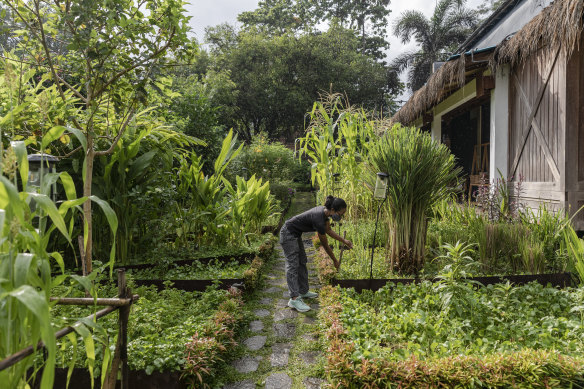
271,161
252,275
208,346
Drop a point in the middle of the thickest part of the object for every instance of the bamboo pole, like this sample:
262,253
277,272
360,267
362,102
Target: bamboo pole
112,302
121,352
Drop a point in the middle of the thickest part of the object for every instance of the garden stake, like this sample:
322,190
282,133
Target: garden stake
375,233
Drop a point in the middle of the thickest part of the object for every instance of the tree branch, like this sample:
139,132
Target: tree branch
71,152
125,71
120,133
72,89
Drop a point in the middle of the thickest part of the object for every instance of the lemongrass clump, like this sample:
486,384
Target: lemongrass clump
420,172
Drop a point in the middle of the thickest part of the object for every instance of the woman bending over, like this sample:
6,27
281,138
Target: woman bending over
315,219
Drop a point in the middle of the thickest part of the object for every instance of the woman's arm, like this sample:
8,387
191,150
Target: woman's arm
324,241
336,236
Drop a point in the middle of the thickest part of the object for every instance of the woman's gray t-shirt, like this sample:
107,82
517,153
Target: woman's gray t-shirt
312,220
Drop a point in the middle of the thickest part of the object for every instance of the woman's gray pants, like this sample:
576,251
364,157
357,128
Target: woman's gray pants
296,271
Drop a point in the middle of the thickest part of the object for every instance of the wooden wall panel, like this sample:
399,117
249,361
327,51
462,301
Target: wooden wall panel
538,162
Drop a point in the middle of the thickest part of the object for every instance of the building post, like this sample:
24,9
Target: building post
499,131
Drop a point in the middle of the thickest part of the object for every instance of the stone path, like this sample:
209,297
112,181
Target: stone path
281,348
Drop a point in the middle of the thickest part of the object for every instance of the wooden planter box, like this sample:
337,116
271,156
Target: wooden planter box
559,280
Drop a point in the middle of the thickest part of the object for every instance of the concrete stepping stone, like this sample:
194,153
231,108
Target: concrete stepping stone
284,330
255,342
283,314
315,307
267,301
286,294
273,289
278,381
309,320
282,303
256,326
247,364
313,383
280,354
309,357
277,282
309,337
247,384
261,312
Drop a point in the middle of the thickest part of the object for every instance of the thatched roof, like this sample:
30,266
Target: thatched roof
452,72
557,26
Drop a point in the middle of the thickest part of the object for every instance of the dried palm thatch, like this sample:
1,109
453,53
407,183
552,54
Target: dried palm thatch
558,26
451,72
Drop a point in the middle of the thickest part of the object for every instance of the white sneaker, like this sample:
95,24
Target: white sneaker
298,304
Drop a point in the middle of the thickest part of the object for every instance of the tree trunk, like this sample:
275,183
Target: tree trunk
89,157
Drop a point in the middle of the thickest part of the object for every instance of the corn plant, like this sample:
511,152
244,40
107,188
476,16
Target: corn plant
421,172
338,142
25,264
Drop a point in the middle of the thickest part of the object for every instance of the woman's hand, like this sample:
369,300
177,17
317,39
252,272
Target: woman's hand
348,243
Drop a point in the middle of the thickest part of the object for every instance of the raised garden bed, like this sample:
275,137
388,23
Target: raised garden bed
437,336
192,285
80,379
559,280
241,258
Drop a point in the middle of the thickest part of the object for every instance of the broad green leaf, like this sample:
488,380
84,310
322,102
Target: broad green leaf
51,135
83,281
47,205
22,159
59,259
112,219
68,185
140,165
2,219
21,268
73,339
9,196
80,136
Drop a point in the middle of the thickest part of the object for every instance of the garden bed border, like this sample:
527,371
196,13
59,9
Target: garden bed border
558,280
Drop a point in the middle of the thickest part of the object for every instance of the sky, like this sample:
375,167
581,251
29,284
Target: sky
213,12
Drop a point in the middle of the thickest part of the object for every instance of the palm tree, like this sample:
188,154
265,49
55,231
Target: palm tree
437,37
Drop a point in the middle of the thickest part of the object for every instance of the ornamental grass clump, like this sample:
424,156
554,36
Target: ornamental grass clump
420,172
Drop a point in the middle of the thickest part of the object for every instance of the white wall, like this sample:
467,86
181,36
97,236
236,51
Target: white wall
499,142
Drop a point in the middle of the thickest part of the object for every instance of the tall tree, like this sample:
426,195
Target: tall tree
437,37
112,49
368,18
278,78
280,16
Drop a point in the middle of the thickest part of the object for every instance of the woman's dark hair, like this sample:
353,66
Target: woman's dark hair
335,203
